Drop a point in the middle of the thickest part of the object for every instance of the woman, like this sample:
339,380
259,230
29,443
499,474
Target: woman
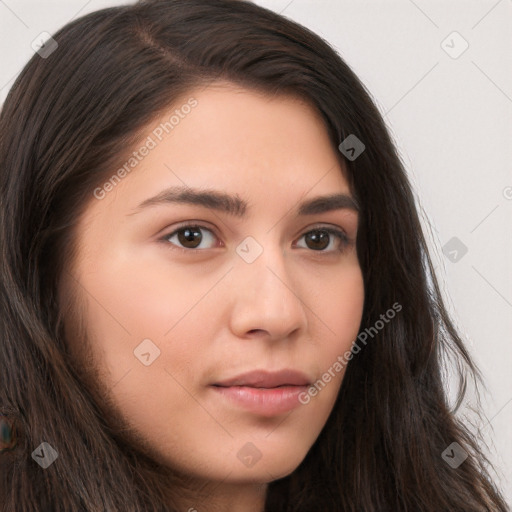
216,293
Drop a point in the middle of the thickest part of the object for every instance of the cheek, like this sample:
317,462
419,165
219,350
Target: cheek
145,312
341,310
131,300
142,293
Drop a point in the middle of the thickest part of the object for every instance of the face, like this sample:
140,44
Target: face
183,297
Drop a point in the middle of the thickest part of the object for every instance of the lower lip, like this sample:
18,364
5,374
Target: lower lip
267,402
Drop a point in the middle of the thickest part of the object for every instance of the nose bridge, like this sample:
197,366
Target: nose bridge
266,295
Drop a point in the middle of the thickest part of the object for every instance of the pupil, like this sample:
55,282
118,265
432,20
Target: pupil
186,237
318,237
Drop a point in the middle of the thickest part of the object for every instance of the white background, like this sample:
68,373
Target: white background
451,119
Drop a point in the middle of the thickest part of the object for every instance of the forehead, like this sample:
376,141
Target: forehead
223,136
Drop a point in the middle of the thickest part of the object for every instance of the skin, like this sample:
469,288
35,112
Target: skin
211,314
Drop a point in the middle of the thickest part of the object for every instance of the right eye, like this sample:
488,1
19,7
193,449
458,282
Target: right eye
189,236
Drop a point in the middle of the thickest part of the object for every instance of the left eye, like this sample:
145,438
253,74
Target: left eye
191,236
320,236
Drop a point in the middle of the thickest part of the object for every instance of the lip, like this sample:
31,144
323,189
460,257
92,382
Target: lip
266,379
264,393
262,401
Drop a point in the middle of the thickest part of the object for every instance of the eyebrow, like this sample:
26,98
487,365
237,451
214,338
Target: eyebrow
237,207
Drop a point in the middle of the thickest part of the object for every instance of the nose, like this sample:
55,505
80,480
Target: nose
267,300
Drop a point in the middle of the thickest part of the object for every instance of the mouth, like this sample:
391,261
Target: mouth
264,393
262,401
267,379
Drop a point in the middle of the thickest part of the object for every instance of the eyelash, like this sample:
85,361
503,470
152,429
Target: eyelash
341,235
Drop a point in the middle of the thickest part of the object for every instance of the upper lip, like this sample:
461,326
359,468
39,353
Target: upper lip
267,379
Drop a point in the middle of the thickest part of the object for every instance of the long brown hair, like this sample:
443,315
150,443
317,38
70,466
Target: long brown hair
67,121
